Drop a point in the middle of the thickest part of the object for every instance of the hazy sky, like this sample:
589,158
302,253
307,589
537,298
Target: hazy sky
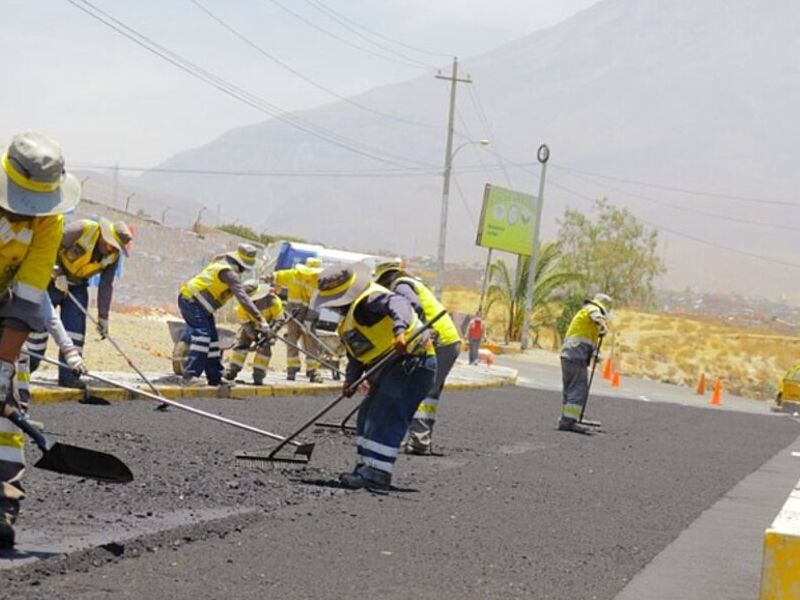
106,99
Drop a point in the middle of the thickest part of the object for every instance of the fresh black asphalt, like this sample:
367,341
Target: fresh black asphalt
511,507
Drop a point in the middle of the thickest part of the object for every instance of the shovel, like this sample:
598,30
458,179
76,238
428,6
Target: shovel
72,460
596,359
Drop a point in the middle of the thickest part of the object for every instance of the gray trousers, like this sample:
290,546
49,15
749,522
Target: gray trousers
421,429
576,388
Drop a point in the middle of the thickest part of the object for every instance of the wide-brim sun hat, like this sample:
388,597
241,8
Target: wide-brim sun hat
262,291
33,181
386,267
244,255
116,234
339,285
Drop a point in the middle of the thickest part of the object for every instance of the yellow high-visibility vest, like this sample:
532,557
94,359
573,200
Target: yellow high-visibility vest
207,288
28,249
582,327
444,327
270,312
367,343
77,258
300,282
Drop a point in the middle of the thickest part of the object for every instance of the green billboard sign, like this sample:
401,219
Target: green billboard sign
507,220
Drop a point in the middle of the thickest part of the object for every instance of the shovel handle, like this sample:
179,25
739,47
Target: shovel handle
20,421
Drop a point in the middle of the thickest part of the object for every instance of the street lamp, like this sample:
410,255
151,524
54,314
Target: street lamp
438,287
128,200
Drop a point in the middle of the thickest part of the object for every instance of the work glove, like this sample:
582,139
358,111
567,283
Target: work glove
348,389
602,329
400,345
7,371
61,283
264,328
75,361
102,328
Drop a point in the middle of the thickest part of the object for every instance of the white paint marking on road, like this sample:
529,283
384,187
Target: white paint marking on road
797,454
644,398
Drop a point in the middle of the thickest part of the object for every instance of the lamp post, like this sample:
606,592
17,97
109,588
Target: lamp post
128,201
448,167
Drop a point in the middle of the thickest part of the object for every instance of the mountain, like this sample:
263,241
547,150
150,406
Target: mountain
688,94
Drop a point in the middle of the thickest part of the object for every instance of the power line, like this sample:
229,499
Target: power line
332,14
487,126
687,209
687,236
381,35
464,202
238,93
682,190
305,78
301,18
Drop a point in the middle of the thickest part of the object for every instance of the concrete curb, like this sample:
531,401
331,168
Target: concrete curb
780,570
51,395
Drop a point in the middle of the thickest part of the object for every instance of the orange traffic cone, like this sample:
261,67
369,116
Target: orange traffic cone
615,380
701,385
716,397
607,369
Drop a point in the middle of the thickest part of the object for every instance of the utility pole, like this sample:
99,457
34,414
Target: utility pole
543,155
454,80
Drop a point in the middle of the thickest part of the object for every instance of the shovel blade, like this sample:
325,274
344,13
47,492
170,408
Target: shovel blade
82,462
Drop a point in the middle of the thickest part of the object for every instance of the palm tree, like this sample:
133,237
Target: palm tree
510,291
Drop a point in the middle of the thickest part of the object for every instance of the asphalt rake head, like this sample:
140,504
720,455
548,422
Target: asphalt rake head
300,455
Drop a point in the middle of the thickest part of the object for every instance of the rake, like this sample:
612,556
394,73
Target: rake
302,450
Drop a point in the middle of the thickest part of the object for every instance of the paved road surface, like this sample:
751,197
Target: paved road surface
512,508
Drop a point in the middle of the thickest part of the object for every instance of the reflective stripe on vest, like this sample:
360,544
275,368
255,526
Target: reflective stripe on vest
12,442
77,258
582,328
207,288
444,327
368,343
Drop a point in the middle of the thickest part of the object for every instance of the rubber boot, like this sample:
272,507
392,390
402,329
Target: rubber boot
366,477
571,425
315,377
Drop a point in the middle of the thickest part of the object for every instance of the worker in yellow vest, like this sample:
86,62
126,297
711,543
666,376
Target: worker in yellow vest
201,297
271,309
34,192
88,248
447,341
300,283
375,322
580,343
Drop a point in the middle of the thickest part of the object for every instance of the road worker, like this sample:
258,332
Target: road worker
271,309
447,342
300,283
34,192
88,248
376,322
583,336
201,297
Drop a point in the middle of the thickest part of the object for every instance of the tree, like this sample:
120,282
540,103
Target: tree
614,253
509,290
248,233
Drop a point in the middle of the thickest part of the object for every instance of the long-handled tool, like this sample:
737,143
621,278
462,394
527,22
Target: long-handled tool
306,353
313,336
71,460
342,425
115,344
595,360
302,450
377,366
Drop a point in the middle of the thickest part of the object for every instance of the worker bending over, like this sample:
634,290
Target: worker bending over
585,330
201,297
375,323
88,248
271,309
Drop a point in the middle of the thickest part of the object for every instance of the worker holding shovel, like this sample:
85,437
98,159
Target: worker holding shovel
34,192
376,323
583,337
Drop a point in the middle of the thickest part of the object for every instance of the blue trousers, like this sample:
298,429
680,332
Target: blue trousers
74,320
387,410
204,352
